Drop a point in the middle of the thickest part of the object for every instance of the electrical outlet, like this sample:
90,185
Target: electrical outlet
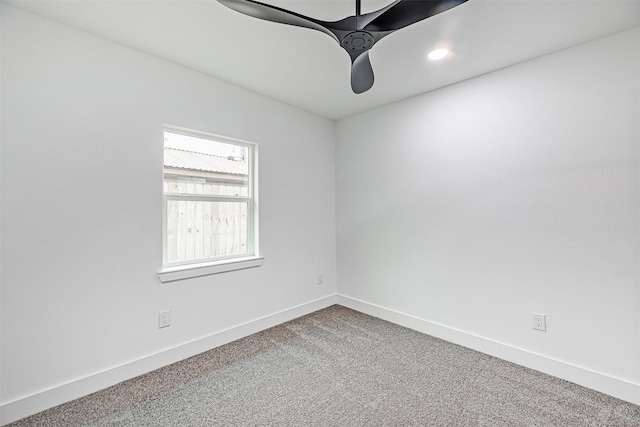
320,279
164,319
539,322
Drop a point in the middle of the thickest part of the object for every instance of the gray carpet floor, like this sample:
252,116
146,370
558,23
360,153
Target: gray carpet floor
338,367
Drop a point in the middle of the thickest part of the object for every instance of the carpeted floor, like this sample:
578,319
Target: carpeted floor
338,367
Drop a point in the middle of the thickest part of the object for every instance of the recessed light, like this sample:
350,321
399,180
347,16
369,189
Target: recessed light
438,54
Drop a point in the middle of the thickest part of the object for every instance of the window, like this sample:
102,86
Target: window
209,204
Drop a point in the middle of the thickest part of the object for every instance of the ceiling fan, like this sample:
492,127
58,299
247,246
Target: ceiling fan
355,34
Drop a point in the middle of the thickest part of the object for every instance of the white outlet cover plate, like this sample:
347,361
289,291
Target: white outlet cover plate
164,319
539,322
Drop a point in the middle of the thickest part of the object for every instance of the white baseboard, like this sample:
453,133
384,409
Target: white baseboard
34,403
28,405
616,387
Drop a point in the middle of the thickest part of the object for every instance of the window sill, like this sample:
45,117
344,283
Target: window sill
181,272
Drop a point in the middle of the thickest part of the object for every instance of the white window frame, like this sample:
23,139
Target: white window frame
178,270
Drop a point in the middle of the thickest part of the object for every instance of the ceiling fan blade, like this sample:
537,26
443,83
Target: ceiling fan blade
406,12
366,18
361,73
276,14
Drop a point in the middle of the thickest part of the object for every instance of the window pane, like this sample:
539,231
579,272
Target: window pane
197,230
203,166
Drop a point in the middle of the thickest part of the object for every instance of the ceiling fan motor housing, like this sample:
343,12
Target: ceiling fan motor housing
358,41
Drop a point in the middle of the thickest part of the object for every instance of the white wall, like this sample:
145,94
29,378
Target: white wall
81,138
462,211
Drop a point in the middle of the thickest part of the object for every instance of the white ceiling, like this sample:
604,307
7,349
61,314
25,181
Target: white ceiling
308,69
